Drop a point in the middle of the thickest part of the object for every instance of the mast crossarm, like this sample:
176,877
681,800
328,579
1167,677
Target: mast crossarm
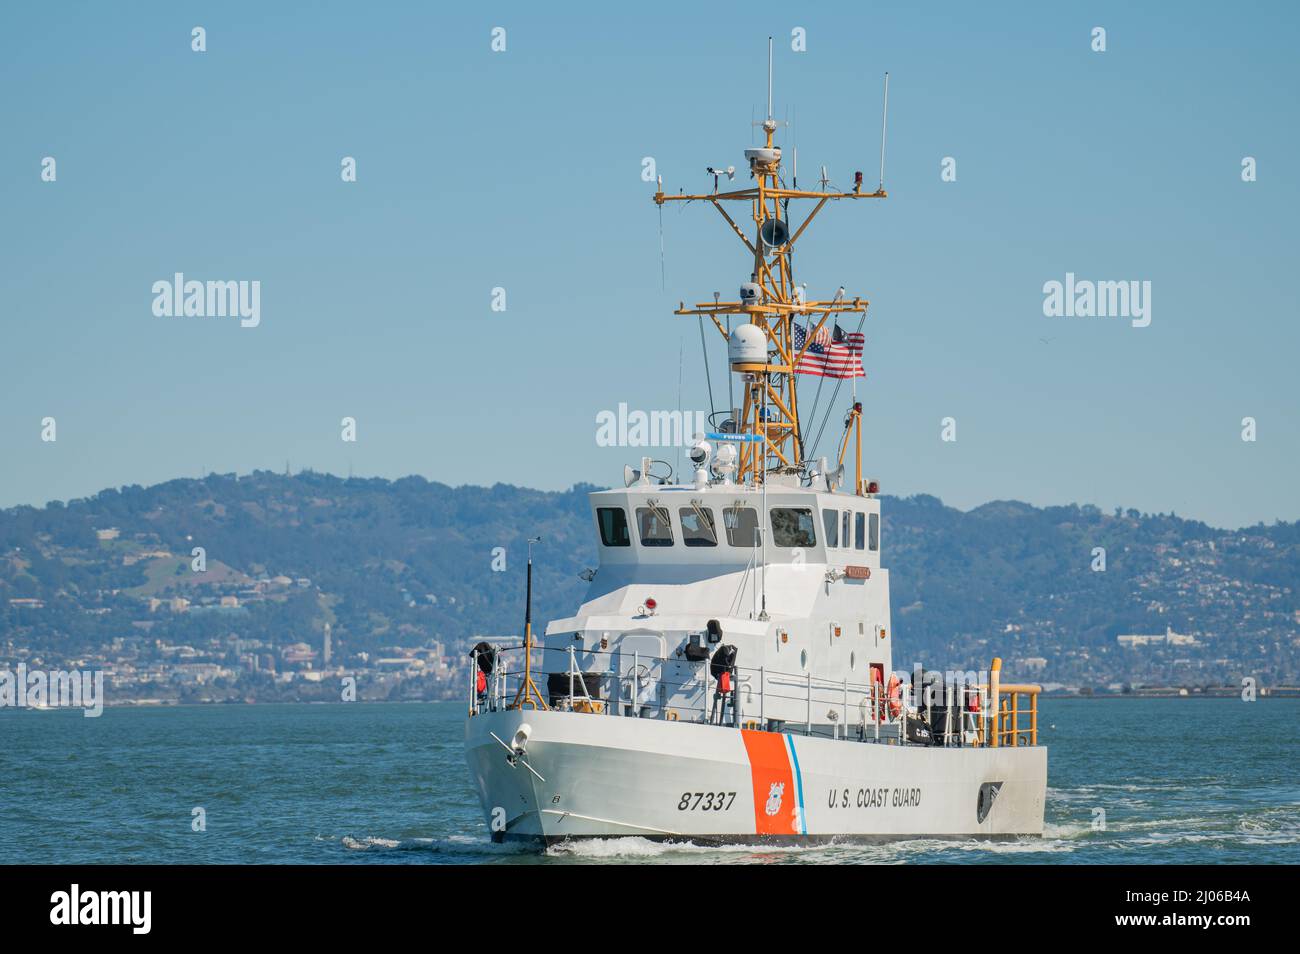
774,307
748,195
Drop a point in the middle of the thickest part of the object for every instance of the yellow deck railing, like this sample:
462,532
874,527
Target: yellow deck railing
1013,712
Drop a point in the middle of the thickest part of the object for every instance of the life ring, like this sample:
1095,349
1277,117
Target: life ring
895,696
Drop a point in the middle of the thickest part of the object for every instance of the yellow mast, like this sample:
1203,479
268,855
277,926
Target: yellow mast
770,409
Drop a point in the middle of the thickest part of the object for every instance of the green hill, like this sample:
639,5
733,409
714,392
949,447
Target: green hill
398,563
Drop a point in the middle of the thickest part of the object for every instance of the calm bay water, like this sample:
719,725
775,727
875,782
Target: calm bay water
1180,781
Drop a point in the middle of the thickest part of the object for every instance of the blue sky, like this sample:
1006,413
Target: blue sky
522,170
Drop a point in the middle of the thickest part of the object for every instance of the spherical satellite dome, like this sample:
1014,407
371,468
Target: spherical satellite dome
747,345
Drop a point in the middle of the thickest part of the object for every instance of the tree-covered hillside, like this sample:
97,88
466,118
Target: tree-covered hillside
398,563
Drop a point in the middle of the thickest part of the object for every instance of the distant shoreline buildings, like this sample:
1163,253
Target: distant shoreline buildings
1168,637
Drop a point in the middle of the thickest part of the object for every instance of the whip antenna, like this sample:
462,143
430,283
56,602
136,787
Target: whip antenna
769,78
884,119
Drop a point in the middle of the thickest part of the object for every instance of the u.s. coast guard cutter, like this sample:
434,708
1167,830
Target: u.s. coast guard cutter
730,675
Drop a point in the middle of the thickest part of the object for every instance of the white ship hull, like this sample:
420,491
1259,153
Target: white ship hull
591,776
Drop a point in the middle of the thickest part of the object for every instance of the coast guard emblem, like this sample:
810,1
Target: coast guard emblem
774,797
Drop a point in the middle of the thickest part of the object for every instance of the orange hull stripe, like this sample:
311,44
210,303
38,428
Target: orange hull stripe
773,781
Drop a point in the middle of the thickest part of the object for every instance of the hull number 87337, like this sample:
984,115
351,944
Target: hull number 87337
706,801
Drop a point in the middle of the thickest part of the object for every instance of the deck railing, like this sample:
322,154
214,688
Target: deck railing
1009,703
636,685
1017,704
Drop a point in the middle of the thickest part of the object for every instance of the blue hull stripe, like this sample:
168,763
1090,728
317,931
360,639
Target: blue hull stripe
798,782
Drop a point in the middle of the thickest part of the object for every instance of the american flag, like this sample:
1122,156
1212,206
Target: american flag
837,355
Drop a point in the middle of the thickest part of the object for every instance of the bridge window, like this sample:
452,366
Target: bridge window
875,531
793,527
655,527
831,524
698,527
613,526
742,526
860,531
846,529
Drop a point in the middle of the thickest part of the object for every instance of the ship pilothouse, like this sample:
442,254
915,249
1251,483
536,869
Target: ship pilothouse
763,555
734,649
782,580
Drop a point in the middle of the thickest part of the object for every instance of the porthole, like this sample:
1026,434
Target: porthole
803,659
853,660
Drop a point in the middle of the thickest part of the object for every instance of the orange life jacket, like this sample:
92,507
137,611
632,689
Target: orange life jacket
895,695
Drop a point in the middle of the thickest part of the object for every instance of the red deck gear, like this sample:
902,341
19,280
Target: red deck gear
895,695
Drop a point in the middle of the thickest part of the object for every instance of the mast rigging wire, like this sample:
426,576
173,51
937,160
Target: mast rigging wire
681,362
663,280
708,377
831,406
825,418
817,399
731,385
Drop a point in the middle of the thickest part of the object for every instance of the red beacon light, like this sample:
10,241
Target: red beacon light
873,487
857,181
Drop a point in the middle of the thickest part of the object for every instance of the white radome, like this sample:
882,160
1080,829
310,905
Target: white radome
747,345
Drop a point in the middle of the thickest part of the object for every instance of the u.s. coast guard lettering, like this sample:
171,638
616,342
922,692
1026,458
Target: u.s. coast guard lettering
874,798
